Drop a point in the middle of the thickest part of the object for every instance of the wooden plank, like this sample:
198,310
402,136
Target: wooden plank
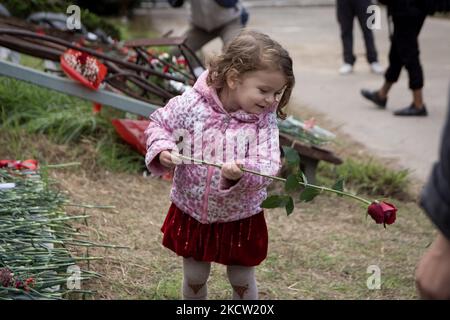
155,42
312,152
73,88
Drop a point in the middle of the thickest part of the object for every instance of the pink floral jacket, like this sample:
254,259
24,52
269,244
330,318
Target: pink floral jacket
196,125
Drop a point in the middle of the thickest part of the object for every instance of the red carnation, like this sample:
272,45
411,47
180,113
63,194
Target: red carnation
6,277
19,284
82,58
382,212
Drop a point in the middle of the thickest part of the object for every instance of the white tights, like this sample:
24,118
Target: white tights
196,273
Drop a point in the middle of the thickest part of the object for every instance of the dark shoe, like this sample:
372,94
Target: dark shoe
374,97
412,111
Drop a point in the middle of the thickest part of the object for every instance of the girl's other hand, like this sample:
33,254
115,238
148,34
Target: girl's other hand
231,171
168,160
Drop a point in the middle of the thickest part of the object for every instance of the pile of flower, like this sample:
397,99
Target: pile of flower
173,65
167,63
8,280
307,131
83,63
35,237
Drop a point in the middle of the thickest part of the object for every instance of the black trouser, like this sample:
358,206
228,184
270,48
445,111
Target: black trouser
404,50
346,12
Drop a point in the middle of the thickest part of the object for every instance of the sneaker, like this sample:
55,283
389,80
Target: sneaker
374,97
346,68
376,67
412,111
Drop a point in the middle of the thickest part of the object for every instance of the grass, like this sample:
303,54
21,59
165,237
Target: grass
135,29
28,109
366,176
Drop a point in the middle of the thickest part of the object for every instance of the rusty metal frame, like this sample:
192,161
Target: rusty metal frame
133,79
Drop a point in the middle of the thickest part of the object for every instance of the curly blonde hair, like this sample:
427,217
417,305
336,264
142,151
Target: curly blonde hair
252,51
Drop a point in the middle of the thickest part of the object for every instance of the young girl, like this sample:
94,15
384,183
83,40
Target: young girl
215,214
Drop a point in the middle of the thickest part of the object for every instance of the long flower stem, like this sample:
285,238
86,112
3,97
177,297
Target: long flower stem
62,165
89,206
321,188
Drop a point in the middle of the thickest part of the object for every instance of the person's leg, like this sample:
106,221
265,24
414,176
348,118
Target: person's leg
380,96
362,14
410,53
418,98
243,282
395,65
196,38
410,27
195,276
229,31
384,90
345,16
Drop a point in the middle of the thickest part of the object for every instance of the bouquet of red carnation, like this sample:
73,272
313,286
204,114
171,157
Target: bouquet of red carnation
83,67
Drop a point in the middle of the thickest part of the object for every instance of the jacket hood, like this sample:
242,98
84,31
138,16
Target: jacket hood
210,95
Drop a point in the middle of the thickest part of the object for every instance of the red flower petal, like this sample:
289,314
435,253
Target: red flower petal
382,212
376,212
82,58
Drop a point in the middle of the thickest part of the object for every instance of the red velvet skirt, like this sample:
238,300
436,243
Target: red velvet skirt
242,242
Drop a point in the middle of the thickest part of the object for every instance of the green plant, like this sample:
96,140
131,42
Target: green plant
34,259
117,156
65,120
370,177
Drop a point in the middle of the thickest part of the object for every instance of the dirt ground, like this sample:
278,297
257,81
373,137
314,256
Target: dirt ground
322,251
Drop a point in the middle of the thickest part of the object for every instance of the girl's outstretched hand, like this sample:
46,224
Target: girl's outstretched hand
231,171
168,160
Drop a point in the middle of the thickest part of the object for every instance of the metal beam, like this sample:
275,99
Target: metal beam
73,88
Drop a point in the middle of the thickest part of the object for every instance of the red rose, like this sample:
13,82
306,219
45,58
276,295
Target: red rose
382,212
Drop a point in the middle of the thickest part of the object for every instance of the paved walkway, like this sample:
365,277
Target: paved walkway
311,35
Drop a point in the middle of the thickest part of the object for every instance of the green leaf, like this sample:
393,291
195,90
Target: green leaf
339,186
290,206
291,184
275,202
308,194
292,157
